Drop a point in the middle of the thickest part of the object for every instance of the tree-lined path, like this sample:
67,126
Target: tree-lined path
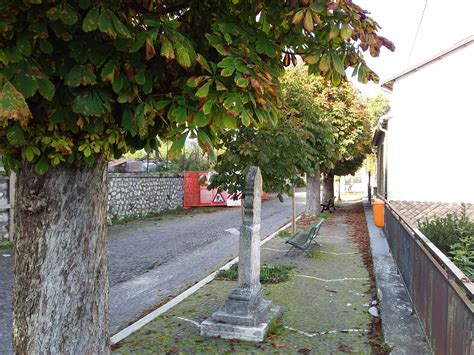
152,260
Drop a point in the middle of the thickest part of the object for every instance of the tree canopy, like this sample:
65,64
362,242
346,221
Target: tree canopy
81,79
377,106
323,128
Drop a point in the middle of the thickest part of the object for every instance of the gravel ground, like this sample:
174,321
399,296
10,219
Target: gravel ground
152,260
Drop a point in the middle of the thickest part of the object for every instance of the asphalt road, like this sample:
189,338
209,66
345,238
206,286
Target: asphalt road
153,260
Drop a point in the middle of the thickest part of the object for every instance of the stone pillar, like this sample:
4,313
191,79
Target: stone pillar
246,314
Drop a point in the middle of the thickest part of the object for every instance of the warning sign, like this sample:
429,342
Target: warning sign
232,201
218,198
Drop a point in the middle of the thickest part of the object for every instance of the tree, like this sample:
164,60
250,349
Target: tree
300,93
353,133
377,106
84,80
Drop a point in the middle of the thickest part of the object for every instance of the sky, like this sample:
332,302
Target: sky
444,24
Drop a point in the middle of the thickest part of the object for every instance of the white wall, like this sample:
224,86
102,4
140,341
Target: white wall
431,133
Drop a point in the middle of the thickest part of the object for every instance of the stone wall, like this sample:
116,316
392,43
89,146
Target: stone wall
133,194
4,200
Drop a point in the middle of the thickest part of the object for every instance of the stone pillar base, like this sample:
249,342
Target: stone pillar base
255,333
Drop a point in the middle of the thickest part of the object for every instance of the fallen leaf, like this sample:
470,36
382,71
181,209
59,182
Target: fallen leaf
345,348
279,345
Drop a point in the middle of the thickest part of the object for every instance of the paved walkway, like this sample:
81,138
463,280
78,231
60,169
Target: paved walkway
326,301
153,260
401,326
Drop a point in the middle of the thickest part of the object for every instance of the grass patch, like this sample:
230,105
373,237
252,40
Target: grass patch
6,245
325,215
275,328
284,234
269,274
316,255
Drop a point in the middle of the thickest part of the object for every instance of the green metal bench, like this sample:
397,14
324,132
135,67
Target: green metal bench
302,240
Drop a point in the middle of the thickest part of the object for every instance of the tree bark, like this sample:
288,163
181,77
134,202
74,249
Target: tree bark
61,269
313,194
328,186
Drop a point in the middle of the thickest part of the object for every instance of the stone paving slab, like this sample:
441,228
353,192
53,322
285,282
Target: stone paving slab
325,302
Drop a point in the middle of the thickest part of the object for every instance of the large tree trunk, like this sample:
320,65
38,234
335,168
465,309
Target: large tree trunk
328,187
313,194
61,271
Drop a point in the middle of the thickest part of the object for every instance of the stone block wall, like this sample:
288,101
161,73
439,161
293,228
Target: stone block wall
133,194
4,200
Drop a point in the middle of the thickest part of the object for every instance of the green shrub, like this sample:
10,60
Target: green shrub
463,255
269,274
446,231
454,236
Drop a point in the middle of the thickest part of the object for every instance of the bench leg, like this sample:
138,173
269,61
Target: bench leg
292,247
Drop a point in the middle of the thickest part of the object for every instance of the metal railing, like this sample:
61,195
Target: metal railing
441,294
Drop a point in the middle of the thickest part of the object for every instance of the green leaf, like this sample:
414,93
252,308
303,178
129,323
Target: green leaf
73,77
167,50
127,122
90,104
105,24
69,16
46,88
207,107
120,28
25,81
23,44
229,121
227,62
241,67
246,118
117,84
182,56
297,17
203,62
140,77
180,114
241,82
29,153
204,90
194,81
227,71
42,165
337,63
159,105
91,21
3,58
334,31
108,70
15,135
53,13
12,104
45,46
200,119
346,32
178,144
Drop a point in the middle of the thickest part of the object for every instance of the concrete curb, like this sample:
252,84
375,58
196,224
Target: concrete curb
182,296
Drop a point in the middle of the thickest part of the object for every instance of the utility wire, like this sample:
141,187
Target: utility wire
417,32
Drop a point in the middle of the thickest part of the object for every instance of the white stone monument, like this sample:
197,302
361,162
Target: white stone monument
246,315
